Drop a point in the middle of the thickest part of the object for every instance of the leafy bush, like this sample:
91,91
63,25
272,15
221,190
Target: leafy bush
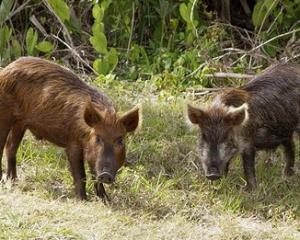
278,27
175,44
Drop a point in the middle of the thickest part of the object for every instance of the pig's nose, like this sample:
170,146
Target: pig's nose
105,177
213,174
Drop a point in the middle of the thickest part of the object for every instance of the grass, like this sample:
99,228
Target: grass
160,193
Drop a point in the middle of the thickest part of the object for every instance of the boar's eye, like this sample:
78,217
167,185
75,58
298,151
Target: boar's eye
119,142
204,137
99,140
223,138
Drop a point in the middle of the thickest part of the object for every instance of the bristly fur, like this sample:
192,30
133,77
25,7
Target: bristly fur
56,105
261,114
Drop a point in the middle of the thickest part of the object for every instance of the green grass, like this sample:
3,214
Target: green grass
160,193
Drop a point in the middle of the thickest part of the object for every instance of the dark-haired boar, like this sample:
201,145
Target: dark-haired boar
56,105
262,114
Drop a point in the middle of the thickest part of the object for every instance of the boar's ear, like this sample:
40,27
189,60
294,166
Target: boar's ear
91,116
195,115
132,119
239,115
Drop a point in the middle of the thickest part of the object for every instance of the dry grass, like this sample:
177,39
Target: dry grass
26,216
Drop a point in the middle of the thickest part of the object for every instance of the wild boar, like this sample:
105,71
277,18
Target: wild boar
56,105
262,114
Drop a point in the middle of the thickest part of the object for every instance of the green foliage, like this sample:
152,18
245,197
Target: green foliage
190,16
173,44
44,46
61,9
109,58
277,23
5,31
262,11
16,48
33,46
31,40
107,63
5,7
5,34
10,45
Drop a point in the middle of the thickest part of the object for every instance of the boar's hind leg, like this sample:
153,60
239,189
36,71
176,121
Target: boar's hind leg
249,169
289,151
3,135
12,144
75,157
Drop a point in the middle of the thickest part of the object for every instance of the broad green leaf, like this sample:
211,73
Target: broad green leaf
98,13
99,42
271,4
184,12
5,33
44,46
112,58
5,8
108,63
16,48
31,38
262,10
259,13
190,39
61,9
101,66
174,23
97,28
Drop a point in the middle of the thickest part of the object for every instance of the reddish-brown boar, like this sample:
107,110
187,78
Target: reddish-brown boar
262,114
56,105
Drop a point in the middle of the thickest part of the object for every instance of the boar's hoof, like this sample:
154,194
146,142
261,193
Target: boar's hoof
213,174
106,177
249,187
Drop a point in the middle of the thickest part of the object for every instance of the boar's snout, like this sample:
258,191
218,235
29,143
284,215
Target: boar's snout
106,176
213,174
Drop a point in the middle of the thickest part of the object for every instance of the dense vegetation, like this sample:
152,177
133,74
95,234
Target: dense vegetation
174,43
157,53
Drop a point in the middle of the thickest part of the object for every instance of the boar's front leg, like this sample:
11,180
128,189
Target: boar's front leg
289,151
98,187
100,190
76,160
12,144
249,169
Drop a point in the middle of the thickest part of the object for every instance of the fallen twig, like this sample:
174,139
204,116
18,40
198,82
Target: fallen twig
229,75
206,90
